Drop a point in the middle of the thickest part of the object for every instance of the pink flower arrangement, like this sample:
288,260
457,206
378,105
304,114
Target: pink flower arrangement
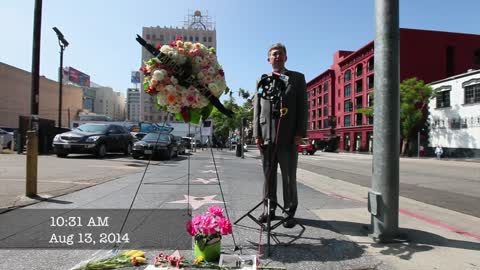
209,227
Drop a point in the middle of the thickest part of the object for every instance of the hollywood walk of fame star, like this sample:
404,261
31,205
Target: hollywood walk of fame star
197,202
209,166
211,180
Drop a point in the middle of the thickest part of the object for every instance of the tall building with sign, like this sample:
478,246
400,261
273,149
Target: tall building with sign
198,27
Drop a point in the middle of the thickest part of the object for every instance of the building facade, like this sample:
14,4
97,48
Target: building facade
197,28
454,115
427,55
109,103
15,92
133,104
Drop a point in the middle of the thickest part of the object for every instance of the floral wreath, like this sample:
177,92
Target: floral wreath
185,78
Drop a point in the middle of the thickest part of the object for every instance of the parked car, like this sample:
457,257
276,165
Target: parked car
182,146
97,139
156,144
306,148
6,139
189,142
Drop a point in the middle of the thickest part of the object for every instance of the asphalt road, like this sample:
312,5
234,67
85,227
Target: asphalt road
454,185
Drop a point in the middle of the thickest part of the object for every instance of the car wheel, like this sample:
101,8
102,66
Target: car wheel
128,149
304,151
101,151
62,155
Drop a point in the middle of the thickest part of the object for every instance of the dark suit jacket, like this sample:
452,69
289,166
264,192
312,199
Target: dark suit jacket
292,124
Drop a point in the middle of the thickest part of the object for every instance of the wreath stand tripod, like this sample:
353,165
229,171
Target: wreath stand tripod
271,88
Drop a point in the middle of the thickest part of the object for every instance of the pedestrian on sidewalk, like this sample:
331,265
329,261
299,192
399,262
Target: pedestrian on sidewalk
281,148
438,152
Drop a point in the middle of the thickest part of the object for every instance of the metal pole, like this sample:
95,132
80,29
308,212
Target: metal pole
418,144
60,87
32,139
37,30
383,199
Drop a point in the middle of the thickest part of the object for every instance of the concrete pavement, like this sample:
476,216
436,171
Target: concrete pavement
333,212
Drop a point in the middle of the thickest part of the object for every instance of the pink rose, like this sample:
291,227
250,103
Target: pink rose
215,211
225,226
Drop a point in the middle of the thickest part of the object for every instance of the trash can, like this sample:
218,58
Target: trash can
239,150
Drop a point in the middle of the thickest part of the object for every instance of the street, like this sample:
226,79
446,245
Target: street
332,190
453,185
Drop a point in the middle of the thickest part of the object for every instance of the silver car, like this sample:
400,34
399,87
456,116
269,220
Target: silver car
6,139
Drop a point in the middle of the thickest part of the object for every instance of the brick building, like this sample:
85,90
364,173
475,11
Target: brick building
335,94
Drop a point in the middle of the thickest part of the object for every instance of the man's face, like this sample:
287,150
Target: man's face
277,59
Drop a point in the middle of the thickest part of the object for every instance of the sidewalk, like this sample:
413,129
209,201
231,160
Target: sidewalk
333,212
438,238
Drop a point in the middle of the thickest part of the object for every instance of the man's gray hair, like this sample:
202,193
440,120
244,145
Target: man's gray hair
278,46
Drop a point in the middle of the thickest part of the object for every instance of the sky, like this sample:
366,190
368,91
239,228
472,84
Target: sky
102,33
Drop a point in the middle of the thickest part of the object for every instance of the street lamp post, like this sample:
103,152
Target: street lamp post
63,44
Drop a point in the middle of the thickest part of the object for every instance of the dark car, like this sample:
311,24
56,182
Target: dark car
97,139
156,144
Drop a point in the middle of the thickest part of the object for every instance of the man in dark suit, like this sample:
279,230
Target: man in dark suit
278,137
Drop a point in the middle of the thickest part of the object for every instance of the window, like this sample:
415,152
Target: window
472,94
319,89
325,99
325,111
371,81
148,36
319,112
313,103
190,38
204,39
347,121
325,86
196,38
359,86
154,37
313,125
348,76
319,102
371,64
319,123
358,70
348,90
325,124
443,99
161,37
370,100
313,114
359,102
358,119
339,91
338,107
313,92
209,39
347,106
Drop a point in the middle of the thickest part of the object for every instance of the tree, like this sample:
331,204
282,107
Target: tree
224,124
414,97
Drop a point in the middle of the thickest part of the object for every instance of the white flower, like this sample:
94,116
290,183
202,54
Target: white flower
159,75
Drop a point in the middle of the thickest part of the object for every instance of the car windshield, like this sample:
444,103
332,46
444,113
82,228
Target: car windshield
91,128
155,137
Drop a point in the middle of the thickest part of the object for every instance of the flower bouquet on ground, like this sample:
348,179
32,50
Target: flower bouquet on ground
128,258
207,230
185,78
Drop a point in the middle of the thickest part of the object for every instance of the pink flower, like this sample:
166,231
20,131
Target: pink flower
225,226
191,228
208,225
215,211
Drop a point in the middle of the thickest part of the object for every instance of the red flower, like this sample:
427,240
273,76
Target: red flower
220,71
152,91
179,38
158,46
